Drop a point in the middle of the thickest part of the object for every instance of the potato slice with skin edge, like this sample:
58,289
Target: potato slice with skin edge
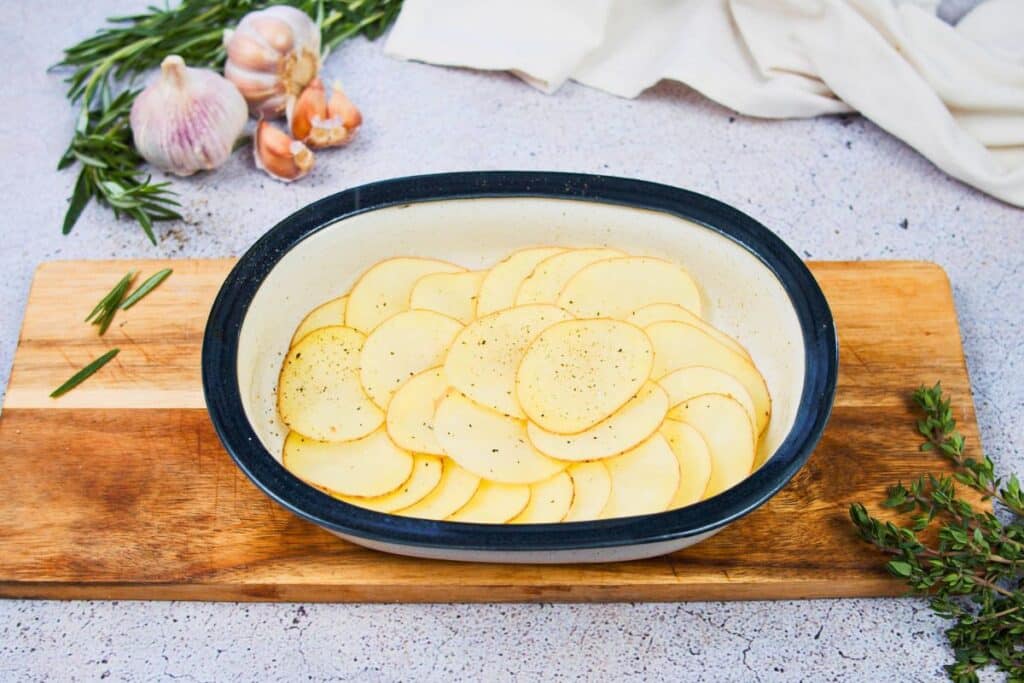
549,501
499,288
591,486
627,427
410,416
453,294
551,275
694,458
493,503
426,474
616,287
383,290
328,314
657,313
644,480
454,490
318,392
401,347
370,466
489,444
485,356
578,372
678,345
726,429
686,383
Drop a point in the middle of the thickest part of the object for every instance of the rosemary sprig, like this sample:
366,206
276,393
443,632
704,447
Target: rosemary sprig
103,313
974,571
151,283
111,62
84,374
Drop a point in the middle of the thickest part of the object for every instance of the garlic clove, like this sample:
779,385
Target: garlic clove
187,119
312,103
320,123
342,107
279,155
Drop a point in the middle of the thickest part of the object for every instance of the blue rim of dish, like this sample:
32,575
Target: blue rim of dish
224,401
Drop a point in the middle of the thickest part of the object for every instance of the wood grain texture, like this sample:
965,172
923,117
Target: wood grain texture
122,490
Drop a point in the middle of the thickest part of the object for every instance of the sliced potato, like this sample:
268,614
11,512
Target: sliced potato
694,462
489,444
325,315
686,383
454,490
678,345
644,480
493,503
499,288
484,356
578,372
550,276
402,346
410,418
631,424
549,501
726,429
453,294
656,313
370,466
426,475
318,392
383,290
616,287
591,486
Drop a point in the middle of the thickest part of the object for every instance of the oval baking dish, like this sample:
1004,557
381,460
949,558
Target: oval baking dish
755,287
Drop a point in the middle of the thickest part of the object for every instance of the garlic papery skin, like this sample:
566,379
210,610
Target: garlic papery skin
279,155
272,55
187,120
320,123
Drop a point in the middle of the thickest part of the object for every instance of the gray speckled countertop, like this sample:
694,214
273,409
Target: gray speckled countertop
835,188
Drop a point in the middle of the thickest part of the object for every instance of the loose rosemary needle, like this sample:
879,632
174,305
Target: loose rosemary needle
103,313
84,374
145,288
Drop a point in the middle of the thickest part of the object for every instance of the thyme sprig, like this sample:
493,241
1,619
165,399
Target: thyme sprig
973,570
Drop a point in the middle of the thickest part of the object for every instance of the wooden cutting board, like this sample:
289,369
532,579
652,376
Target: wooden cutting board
121,489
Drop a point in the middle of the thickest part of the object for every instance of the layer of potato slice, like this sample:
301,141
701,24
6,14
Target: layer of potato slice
616,287
726,429
578,372
453,294
694,458
493,503
370,466
403,346
484,356
426,474
686,383
410,418
644,479
626,427
325,315
591,486
383,290
499,288
489,444
678,345
550,276
549,501
656,313
319,394
454,490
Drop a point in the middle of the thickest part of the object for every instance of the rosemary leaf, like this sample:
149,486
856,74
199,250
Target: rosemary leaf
84,374
117,292
145,288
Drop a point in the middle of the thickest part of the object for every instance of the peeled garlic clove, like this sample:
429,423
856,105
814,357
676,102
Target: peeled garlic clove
187,120
320,123
272,55
279,155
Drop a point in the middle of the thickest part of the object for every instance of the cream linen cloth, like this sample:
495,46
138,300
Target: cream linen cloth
954,94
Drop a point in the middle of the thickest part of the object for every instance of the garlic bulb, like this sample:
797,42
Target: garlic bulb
279,155
187,120
322,123
272,55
